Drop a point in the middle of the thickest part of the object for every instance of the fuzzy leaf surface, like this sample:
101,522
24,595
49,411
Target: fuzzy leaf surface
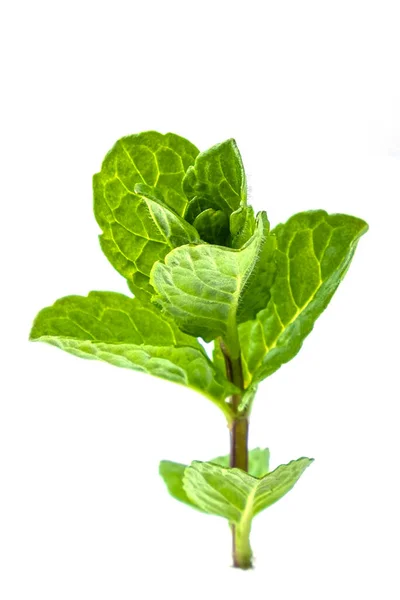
120,330
140,227
242,225
202,287
257,292
314,251
217,177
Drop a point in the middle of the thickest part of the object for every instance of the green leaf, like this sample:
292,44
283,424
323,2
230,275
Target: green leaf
142,224
236,495
212,226
217,177
314,252
257,292
216,186
120,330
201,287
199,205
173,473
242,225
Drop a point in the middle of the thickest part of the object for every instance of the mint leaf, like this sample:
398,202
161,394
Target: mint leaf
218,176
212,226
257,292
201,287
236,495
173,473
120,330
198,205
242,225
141,225
217,183
314,251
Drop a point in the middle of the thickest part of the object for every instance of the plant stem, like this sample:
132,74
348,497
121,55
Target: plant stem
239,435
241,549
239,456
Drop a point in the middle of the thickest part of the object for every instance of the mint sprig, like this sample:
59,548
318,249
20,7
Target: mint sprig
203,267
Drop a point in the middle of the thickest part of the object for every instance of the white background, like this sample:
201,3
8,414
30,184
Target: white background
311,92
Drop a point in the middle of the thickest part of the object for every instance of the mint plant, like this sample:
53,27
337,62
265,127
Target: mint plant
204,268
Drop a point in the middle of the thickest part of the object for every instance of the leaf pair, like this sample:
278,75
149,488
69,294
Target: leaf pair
212,487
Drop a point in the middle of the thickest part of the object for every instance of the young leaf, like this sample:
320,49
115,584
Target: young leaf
242,225
314,252
236,495
257,292
217,176
141,225
199,205
173,473
201,287
120,330
212,226
216,186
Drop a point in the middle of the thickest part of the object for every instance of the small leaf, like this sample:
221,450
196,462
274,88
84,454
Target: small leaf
242,225
314,251
198,205
172,472
212,226
142,224
201,287
236,495
120,330
217,178
216,186
257,292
